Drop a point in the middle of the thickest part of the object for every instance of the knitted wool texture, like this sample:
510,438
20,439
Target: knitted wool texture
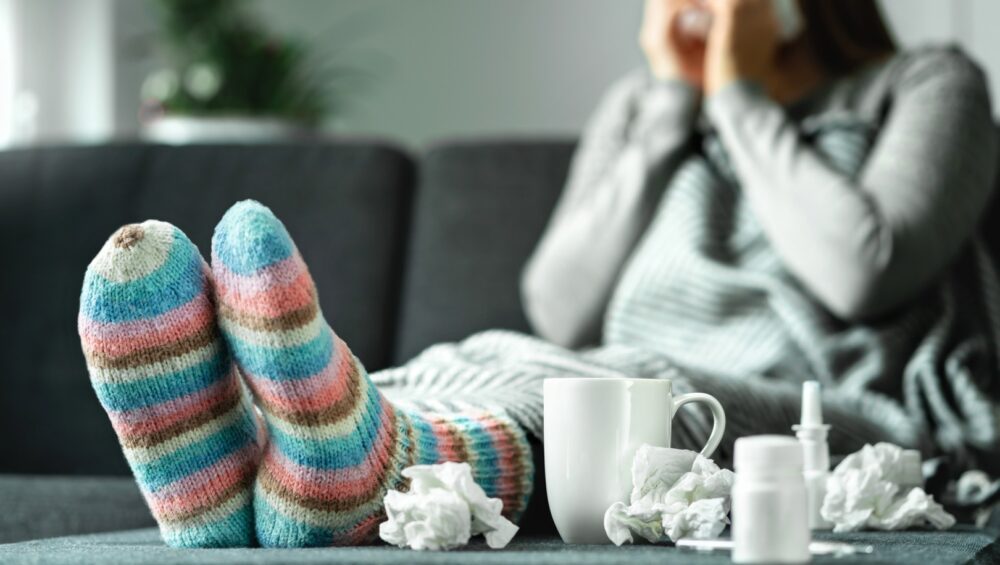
336,443
168,384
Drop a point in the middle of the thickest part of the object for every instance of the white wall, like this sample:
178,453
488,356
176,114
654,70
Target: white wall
6,70
975,24
62,71
440,68
471,67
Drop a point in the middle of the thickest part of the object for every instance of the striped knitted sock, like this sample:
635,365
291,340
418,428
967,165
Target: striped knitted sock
165,377
336,444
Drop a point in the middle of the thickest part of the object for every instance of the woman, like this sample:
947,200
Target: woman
815,221
761,212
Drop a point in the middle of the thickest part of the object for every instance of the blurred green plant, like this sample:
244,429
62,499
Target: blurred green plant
221,61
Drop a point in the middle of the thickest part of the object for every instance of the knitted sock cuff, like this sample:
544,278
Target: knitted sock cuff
492,444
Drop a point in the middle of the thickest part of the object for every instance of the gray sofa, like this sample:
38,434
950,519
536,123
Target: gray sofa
406,251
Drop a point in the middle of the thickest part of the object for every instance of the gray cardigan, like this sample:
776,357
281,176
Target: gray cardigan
862,246
835,239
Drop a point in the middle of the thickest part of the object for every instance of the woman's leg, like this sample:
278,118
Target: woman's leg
336,443
164,375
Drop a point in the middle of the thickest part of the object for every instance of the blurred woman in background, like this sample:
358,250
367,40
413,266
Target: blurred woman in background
769,203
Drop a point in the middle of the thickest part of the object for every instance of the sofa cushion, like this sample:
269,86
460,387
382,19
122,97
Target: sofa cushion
34,507
481,207
346,204
57,206
960,545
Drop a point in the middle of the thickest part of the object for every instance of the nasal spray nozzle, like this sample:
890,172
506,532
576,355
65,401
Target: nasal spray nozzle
812,433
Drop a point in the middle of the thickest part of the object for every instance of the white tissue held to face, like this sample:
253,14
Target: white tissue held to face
443,508
873,489
675,494
697,20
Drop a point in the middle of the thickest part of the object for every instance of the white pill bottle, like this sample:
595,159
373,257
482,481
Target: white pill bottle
770,508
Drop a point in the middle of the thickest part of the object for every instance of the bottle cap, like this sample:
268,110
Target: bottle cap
812,408
768,452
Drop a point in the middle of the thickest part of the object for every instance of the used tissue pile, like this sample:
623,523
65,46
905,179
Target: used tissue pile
442,510
676,494
879,488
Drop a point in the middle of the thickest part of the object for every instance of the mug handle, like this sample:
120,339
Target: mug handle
718,418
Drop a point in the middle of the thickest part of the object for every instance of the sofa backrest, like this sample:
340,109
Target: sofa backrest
480,209
346,204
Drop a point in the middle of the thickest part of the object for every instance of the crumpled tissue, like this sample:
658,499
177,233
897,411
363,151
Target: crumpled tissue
442,510
675,494
864,492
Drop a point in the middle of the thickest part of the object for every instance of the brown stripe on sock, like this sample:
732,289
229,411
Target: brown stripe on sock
127,236
141,440
517,469
244,484
411,456
461,448
158,354
342,504
331,414
369,526
401,483
288,321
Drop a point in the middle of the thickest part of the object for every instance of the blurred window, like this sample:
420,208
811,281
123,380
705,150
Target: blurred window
6,70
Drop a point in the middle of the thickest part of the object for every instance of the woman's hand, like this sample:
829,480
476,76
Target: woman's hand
742,42
670,52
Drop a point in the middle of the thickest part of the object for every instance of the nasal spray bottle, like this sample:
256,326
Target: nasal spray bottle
812,433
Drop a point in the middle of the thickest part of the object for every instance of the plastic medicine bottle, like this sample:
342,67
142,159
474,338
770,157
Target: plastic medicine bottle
770,509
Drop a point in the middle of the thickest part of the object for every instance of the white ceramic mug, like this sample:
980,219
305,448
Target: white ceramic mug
593,427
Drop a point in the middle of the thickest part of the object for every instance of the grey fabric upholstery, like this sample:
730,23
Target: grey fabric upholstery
33,507
138,547
480,209
57,206
347,205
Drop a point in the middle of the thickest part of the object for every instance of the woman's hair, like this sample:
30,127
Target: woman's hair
846,34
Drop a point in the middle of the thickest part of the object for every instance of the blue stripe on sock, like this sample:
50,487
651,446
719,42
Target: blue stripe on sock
425,440
233,530
284,363
274,529
250,237
195,456
338,452
173,284
119,397
485,460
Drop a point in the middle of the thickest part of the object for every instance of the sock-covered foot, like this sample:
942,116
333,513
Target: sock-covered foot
336,443
165,377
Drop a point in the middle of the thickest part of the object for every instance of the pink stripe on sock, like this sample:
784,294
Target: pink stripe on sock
274,302
204,486
122,338
333,484
364,531
311,393
502,447
151,419
446,442
283,272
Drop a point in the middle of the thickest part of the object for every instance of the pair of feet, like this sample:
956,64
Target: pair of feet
315,470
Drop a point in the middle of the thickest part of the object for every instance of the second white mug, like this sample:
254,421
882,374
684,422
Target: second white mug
593,427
